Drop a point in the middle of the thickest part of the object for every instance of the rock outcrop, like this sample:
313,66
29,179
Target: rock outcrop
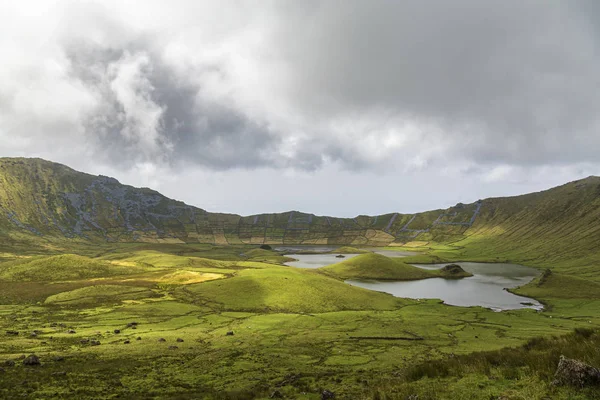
575,373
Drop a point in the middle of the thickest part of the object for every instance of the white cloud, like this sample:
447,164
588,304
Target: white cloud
320,92
141,116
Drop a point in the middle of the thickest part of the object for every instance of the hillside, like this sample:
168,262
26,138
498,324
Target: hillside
376,266
44,201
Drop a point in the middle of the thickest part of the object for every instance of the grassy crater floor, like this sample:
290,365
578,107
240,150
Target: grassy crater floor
212,322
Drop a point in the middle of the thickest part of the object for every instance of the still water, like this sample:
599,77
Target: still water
485,288
322,258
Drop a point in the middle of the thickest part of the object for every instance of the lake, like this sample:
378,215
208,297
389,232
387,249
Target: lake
321,260
485,288
316,260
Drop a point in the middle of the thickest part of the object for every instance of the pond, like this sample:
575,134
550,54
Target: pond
323,258
316,260
485,288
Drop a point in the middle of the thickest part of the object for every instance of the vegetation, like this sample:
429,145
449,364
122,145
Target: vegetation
61,268
174,302
377,266
349,250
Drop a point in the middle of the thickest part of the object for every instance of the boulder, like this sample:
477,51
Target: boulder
179,340
117,331
453,269
9,363
162,340
575,373
12,333
326,395
32,360
230,333
173,347
340,256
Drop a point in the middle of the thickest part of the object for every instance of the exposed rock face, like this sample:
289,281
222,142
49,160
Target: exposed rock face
453,269
326,395
575,373
32,360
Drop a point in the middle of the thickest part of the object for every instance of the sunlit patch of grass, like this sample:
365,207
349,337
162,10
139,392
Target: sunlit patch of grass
293,330
61,268
98,294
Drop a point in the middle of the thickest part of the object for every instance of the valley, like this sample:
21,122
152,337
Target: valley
122,292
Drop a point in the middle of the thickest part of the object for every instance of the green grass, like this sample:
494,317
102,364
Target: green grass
296,331
377,266
520,372
269,256
552,285
287,289
349,250
99,294
61,268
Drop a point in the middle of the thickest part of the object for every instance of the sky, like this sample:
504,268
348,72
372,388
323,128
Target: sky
337,107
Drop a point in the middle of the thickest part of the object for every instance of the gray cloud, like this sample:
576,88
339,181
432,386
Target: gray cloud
498,79
175,123
493,90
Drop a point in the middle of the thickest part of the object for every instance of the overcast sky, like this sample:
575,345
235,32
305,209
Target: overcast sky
333,107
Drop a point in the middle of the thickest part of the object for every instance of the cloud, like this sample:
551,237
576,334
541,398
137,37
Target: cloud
497,80
495,90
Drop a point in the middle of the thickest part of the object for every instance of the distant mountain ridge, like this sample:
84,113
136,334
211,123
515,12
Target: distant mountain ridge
46,199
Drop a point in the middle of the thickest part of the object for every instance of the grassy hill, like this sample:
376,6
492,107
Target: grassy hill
61,268
376,266
558,229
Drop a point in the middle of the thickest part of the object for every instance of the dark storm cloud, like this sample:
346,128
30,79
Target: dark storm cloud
190,127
